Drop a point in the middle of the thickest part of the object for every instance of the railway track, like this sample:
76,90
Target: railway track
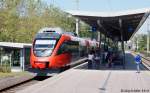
146,62
36,79
23,85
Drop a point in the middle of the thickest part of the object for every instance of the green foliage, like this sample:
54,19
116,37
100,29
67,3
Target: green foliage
142,42
21,19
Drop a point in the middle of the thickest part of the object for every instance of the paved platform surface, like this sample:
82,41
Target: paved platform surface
96,81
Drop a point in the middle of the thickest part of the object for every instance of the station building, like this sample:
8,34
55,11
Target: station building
15,55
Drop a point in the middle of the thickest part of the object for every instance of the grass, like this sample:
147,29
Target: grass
3,75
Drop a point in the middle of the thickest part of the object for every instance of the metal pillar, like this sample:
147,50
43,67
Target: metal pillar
104,42
147,41
137,45
98,37
1,56
77,26
100,41
100,48
122,42
108,43
148,33
22,59
92,37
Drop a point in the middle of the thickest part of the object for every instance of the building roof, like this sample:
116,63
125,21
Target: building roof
14,45
108,22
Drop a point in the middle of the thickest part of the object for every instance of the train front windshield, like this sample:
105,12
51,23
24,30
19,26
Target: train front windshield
43,47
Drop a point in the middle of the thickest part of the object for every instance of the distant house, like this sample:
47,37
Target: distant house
16,55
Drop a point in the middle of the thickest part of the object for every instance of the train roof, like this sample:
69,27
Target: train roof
51,29
56,30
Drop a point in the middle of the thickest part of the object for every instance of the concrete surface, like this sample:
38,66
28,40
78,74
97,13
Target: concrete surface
96,81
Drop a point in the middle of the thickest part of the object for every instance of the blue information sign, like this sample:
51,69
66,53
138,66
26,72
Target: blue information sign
94,29
138,59
130,29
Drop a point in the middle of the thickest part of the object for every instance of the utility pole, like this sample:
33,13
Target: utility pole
148,33
77,20
137,44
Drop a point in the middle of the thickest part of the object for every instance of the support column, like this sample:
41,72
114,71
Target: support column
1,56
147,41
92,36
108,43
100,48
104,42
122,42
22,59
148,33
98,37
137,45
77,26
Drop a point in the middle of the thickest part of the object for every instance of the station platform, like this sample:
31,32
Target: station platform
110,80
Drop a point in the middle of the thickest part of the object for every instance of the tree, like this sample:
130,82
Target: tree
21,19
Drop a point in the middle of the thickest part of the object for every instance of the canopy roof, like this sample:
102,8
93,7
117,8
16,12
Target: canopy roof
14,45
113,23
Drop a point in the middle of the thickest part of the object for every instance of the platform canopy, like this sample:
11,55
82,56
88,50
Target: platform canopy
14,45
112,24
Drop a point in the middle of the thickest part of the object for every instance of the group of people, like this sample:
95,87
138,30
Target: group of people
93,59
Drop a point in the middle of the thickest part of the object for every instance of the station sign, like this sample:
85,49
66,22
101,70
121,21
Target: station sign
138,59
130,29
94,28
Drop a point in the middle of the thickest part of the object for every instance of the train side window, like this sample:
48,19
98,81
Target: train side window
73,47
63,49
69,46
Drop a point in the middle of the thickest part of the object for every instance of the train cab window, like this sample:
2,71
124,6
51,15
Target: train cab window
44,47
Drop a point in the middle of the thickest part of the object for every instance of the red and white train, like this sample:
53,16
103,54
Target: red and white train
54,48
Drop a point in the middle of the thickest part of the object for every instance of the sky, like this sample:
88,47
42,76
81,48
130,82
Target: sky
103,6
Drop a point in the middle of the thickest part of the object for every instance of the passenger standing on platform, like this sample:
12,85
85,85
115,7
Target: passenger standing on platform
107,58
110,61
90,59
97,59
93,51
138,62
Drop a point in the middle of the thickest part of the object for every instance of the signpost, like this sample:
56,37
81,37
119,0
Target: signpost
94,29
138,61
130,29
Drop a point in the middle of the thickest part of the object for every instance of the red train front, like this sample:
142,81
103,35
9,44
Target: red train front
52,49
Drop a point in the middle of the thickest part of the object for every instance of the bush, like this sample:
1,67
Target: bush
5,68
